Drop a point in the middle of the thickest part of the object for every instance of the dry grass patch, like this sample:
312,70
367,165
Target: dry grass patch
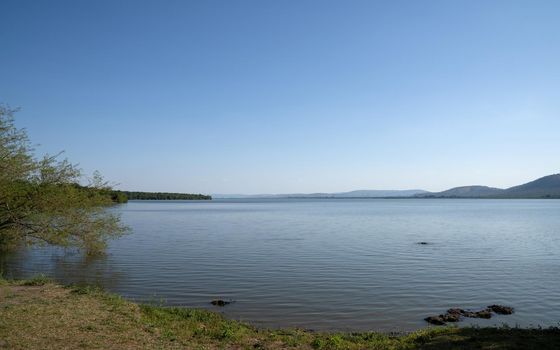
52,317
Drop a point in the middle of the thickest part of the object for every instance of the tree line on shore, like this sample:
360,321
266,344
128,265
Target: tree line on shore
124,196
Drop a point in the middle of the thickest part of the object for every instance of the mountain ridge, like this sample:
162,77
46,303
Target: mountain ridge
544,187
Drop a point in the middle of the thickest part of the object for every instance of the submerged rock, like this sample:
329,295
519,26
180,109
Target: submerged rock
451,317
437,320
220,302
501,309
483,314
486,313
455,311
455,314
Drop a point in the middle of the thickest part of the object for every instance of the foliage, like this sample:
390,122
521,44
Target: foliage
119,197
41,201
39,280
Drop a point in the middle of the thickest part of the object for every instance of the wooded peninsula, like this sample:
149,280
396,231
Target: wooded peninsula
135,195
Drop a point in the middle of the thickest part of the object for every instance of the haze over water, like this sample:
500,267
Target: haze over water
329,264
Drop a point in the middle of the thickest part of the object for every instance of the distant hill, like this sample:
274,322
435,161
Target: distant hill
545,187
466,192
351,194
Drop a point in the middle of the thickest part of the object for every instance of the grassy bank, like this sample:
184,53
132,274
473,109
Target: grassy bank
38,314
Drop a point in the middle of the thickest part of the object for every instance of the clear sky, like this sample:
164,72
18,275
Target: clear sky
289,96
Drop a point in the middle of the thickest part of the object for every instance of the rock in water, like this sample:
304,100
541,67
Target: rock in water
437,320
455,314
451,317
456,311
220,302
501,309
484,313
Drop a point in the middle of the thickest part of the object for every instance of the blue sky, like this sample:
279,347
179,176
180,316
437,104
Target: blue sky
289,96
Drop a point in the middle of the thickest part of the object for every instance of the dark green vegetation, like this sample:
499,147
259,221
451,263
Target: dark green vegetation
132,195
545,187
41,201
118,197
37,314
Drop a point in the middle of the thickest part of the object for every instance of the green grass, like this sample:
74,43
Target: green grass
37,314
39,280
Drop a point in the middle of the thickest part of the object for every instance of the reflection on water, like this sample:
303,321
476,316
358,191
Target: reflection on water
67,265
328,264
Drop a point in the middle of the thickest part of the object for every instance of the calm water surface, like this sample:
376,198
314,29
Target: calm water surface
329,264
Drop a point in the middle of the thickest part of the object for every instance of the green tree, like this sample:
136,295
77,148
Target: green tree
42,202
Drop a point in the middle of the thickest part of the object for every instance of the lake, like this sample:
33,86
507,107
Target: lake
328,264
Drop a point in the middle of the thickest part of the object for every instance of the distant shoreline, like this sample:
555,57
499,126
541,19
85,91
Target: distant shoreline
137,195
339,198
547,187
